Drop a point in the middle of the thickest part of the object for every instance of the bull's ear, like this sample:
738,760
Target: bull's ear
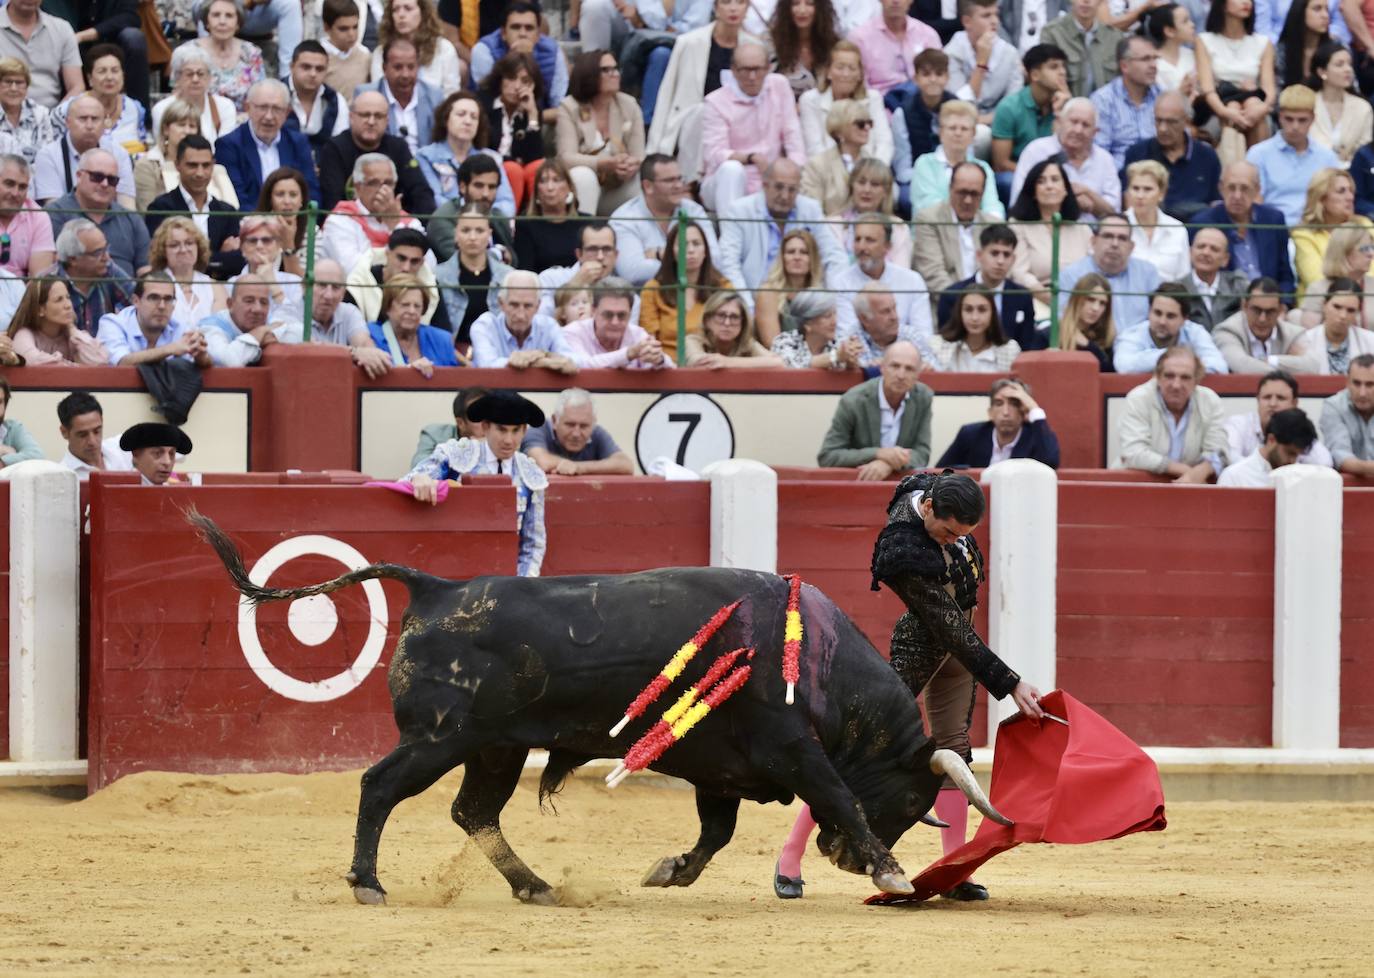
919,758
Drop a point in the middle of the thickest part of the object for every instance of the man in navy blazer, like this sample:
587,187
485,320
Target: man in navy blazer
263,140
1015,308
1016,428
411,103
195,163
1258,251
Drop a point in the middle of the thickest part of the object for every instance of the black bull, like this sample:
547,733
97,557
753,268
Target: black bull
484,670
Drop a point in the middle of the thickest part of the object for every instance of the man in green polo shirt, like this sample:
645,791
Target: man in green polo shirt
1028,113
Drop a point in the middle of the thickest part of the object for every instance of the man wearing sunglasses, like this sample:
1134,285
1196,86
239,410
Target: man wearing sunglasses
97,176
55,167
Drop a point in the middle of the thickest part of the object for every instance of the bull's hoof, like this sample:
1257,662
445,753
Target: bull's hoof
894,883
369,897
664,872
539,898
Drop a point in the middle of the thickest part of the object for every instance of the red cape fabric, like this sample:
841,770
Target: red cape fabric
1082,783
441,488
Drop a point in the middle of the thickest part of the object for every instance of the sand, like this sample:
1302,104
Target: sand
165,874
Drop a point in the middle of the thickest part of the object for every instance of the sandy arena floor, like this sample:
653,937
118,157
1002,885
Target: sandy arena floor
179,875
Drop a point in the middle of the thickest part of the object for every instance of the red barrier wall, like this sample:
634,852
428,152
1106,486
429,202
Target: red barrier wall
1165,608
1357,620
621,524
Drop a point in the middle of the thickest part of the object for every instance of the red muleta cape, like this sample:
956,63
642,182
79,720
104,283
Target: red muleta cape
1086,782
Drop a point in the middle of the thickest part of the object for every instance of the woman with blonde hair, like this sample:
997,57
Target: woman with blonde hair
1159,239
727,339
1086,325
179,248
658,300
44,331
871,191
1348,255
417,21
155,173
844,79
1330,204
826,175
797,268
931,174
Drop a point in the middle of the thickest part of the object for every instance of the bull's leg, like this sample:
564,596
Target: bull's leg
717,826
488,782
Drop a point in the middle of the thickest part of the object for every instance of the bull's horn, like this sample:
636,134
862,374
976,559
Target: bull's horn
951,765
934,821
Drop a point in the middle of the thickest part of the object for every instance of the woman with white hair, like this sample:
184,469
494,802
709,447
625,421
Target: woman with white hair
260,242
235,65
812,344
191,72
826,175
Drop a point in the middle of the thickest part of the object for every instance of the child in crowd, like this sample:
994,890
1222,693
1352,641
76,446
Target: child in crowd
350,64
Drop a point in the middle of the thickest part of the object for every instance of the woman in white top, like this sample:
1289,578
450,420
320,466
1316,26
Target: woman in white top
972,341
1344,121
418,21
1329,348
1159,239
1235,70
156,173
1171,28
191,83
178,247
844,78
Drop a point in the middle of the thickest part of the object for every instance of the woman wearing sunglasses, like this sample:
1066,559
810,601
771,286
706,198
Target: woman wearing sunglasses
826,176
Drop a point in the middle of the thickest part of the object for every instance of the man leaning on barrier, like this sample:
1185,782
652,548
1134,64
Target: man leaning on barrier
882,426
570,442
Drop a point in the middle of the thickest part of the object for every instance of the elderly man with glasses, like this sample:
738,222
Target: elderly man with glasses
252,151
1193,168
95,283
97,176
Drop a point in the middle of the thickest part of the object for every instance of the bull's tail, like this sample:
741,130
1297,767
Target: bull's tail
233,563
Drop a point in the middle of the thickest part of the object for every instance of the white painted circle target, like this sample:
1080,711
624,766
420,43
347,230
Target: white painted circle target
312,620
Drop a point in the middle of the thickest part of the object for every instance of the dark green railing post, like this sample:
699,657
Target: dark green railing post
1054,283
311,211
681,287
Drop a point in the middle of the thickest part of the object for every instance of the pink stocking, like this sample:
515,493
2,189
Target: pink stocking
951,806
789,862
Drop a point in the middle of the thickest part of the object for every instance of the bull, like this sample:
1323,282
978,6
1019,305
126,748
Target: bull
486,670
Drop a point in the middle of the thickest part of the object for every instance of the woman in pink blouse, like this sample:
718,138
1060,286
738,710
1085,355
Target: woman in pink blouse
44,329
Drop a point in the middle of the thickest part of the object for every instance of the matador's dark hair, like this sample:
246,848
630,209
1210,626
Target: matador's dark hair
954,495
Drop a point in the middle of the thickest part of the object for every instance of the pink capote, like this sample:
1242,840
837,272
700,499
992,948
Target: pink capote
1086,782
441,488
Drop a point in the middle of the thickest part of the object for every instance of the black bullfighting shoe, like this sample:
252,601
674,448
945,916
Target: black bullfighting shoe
967,890
786,887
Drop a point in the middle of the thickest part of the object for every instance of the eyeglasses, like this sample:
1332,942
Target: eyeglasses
1364,249
13,83
598,249
160,300
610,69
109,179
268,107
102,252
728,317
377,184
260,239
746,70
187,73
371,116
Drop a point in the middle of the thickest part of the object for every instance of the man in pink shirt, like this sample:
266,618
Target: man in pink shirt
607,340
746,124
889,42
26,241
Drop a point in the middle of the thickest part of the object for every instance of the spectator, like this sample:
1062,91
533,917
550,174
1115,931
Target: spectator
284,195
404,255
1192,170
317,111
571,303
153,449
915,112
45,43
879,325
1288,435
1159,239
262,254
1348,255
44,330
972,341
804,36
411,102
192,194
1029,114
367,122
812,344
400,332
1045,194
643,224
339,323
235,65
1215,293
125,118
511,102
30,125
1139,346
749,122
261,145
1344,120
796,269
350,63
1289,162
191,73
96,283
889,42
16,444
434,435
55,167
992,265
882,426
481,181
1330,204
1086,325
237,336
1330,347
872,233
825,177
1256,232
94,198
570,442
1016,428
932,175
1256,340
1092,172
1171,425
26,238
180,249
158,174
984,69
1345,421
145,332
658,303
1131,280
869,189
843,81
369,220
547,238
608,340
727,337
460,130
1235,72
81,422
468,282
518,336
600,134
1170,27
520,32
439,67
1090,47
596,257
1278,393
1126,104
1297,30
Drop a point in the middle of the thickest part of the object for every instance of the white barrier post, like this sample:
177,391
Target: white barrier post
744,515
1023,528
44,601
1307,607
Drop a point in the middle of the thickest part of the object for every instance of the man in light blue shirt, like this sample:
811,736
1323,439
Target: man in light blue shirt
517,336
1126,104
872,235
1139,348
605,23
1131,279
1288,162
642,225
146,332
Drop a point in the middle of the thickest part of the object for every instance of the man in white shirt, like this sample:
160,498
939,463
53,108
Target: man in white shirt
642,225
872,235
1216,293
237,336
411,102
316,109
1278,392
1092,171
82,424
56,165
357,226
1287,436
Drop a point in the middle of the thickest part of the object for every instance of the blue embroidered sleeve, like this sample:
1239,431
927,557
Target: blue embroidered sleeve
533,539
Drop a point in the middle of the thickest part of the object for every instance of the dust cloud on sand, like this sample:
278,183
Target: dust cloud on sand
174,875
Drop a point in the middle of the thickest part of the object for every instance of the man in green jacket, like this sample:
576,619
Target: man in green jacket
16,444
882,426
1090,45
434,435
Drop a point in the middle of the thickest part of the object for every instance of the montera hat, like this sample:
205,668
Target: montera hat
505,407
154,434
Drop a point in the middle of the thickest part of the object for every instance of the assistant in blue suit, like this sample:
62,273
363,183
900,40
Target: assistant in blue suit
241,151
1016,427
1263,251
